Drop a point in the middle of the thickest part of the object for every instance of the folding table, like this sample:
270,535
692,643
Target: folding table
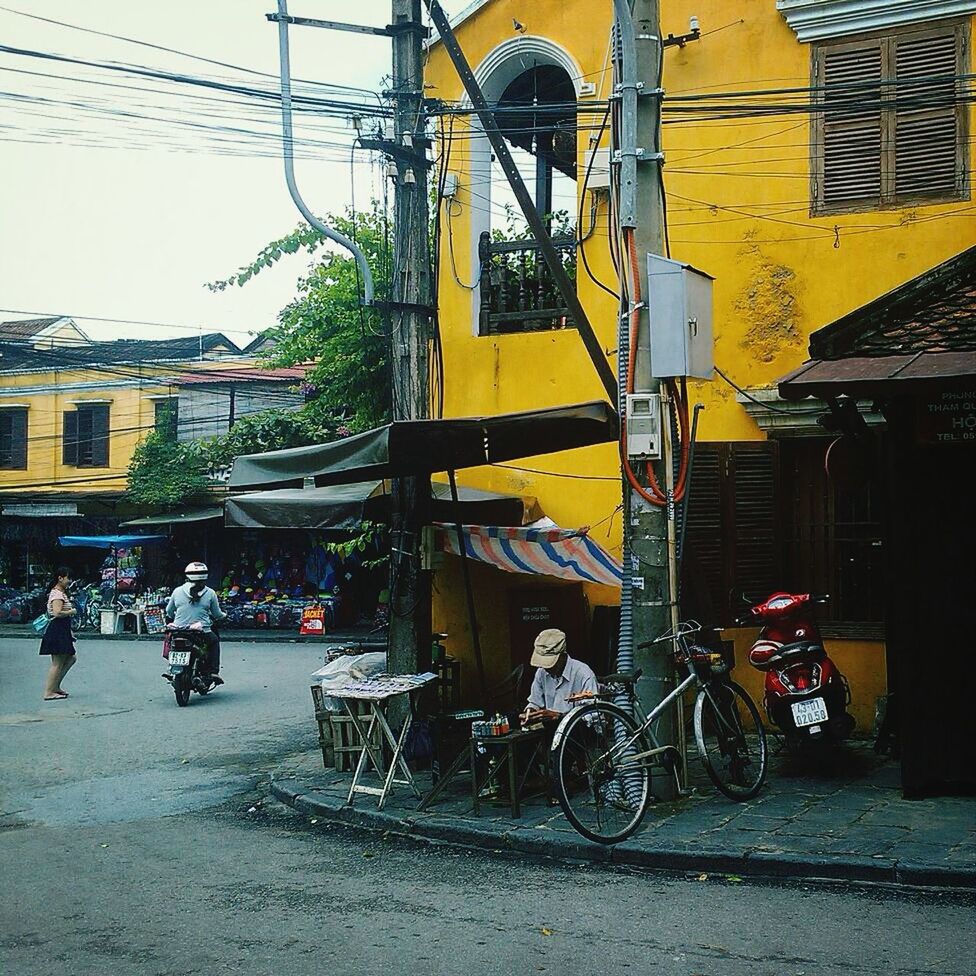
376,693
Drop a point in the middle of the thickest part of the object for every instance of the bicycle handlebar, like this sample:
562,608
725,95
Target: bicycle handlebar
683,630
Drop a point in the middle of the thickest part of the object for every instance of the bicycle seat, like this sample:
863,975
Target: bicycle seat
623,677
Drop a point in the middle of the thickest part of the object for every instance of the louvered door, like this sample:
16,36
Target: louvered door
754,471
733,540
705,559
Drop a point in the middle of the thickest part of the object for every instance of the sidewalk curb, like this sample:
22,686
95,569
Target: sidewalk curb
756,864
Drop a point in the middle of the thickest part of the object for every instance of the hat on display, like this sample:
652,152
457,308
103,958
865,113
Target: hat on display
549,645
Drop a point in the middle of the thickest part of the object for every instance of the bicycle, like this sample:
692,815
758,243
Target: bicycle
602,756
88,602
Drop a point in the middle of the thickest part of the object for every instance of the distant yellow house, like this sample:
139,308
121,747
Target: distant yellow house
72,411
801,216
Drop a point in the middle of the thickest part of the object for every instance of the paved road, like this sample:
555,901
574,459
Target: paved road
134,840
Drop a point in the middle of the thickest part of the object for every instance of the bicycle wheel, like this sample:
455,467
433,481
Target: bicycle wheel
601,782
731,739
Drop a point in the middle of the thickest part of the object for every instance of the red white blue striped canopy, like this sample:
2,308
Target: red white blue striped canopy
564,553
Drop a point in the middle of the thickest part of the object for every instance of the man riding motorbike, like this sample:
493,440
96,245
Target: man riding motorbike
195,606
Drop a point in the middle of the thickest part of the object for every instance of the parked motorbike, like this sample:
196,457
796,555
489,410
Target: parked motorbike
806,696
186,651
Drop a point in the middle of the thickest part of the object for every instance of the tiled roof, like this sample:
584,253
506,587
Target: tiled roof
935,312
254,374
121,351
26,328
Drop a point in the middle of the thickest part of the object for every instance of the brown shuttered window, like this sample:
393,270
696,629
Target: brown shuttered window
894,126
732,539
86,436
13,439
69,452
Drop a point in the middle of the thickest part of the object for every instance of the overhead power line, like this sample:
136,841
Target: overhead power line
183,54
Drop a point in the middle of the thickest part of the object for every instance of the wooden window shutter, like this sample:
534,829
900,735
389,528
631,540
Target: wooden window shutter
18,439
69,453
849,161
754,472
100,435
926,137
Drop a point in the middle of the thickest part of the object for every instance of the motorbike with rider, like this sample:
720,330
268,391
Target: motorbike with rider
192,612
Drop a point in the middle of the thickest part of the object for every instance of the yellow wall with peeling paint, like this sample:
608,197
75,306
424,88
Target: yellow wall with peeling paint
779,276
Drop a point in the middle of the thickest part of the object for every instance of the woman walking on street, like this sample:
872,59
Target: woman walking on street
58,640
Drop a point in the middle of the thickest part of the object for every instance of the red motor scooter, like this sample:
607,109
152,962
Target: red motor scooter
806,694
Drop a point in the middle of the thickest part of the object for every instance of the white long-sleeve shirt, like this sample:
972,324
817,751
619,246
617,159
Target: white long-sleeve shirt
206,611
551,693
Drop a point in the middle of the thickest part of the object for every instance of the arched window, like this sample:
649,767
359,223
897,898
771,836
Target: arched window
532,83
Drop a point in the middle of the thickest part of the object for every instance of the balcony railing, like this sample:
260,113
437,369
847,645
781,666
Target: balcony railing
518,293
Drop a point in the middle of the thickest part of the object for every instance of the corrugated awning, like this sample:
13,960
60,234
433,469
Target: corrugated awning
175,518
423,447
880,375
551,551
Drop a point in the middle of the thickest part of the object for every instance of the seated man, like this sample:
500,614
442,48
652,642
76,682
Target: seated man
558,677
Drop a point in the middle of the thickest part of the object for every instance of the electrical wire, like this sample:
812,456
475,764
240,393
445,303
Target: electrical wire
184,54
735,386
580,240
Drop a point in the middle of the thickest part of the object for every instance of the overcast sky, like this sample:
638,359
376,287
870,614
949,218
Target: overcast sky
122,196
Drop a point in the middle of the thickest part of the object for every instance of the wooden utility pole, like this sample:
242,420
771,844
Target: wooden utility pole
648,540
410,321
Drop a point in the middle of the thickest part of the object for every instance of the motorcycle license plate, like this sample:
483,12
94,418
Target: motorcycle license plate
181,658
810,712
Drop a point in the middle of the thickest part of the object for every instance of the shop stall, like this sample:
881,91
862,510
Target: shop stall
418,449
122,589
351,479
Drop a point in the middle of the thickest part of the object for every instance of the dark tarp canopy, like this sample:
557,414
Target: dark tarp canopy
177,518
346,506
417,447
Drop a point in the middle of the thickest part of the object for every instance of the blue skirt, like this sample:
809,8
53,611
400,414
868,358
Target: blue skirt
58,638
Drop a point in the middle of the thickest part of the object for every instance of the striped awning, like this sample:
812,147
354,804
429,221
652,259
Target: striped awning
551,551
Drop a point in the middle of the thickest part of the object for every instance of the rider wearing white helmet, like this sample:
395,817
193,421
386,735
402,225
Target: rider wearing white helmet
195,605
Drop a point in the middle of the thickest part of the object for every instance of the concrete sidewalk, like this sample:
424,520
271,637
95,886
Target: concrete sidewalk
847,823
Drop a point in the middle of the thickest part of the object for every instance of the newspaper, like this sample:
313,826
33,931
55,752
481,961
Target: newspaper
382,686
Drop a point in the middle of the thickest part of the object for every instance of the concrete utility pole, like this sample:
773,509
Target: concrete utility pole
646,526
410,320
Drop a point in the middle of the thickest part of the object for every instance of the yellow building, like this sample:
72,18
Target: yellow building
72,411
816,158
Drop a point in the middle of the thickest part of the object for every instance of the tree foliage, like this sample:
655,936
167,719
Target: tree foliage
270,430
327,326
166,473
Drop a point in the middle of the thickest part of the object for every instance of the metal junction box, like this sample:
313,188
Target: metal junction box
680,306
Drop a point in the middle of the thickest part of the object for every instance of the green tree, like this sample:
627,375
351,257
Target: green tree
327,326
270,430
166,473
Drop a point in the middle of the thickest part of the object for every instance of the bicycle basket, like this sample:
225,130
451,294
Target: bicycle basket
706,662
